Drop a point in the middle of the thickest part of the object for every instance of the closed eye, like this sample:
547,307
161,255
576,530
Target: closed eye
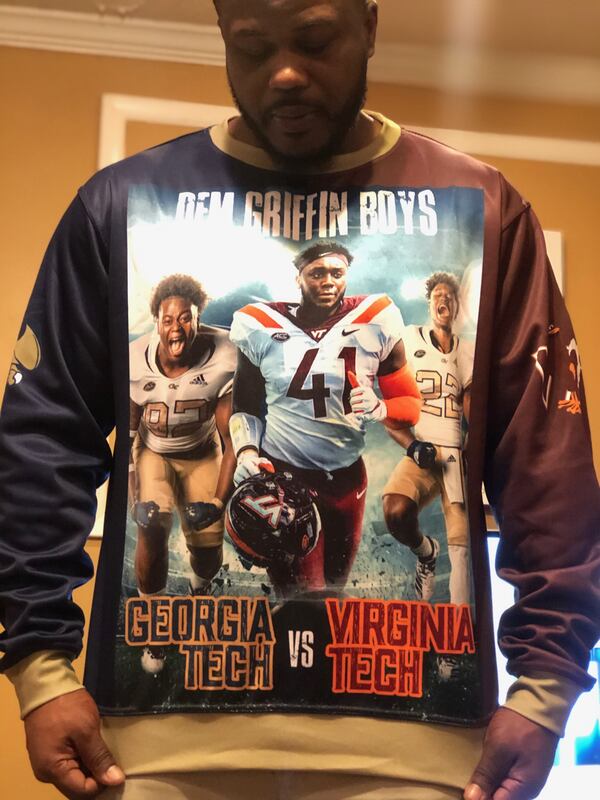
252,45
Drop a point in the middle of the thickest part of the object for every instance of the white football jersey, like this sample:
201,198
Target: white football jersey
442,379
309,421
178,413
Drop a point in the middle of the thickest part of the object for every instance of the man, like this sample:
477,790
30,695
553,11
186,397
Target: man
181,456
443,366
297,68
300,361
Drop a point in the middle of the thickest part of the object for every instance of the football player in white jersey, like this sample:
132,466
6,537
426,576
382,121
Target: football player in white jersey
443,367
181,375
303,393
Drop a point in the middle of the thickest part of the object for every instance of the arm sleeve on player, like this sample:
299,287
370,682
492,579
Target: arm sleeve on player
391,329
466,356
137,358
246,431
226,388
250,336
57,412
248,388
539,473
401,396
228,362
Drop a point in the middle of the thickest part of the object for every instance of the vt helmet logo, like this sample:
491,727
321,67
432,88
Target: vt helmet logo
560,374
267,507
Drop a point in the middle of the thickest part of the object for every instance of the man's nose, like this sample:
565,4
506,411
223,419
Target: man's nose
288,73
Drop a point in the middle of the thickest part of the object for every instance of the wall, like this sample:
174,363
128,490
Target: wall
48,147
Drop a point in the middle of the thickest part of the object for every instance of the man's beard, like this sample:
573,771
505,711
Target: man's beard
343,122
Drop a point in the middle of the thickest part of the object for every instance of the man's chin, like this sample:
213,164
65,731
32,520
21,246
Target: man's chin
328,305
444,325
299,152
307,152
293,152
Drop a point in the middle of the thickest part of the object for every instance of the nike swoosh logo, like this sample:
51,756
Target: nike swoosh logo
349,333
359,495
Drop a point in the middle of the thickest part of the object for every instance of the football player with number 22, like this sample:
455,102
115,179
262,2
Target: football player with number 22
443,366
311,366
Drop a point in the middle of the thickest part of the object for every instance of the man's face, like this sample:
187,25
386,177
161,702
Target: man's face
297,70
323,282
443,306
177,326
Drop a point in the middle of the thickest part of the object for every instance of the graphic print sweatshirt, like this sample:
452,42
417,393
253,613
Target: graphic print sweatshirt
319,607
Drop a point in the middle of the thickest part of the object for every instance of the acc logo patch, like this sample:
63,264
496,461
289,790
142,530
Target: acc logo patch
420,353
280,337
149,386
27,355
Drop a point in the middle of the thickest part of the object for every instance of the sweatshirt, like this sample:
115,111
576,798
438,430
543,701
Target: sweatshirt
320,613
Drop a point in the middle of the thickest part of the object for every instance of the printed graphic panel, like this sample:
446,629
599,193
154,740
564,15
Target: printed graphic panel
300,386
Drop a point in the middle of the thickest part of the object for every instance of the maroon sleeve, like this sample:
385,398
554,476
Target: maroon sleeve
540,476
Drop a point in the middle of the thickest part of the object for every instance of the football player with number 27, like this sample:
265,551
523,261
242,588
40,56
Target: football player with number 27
311,366
181,378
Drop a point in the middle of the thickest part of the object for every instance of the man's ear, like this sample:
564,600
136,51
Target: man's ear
218,13
372,18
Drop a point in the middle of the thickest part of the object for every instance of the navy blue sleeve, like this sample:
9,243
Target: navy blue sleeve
57,411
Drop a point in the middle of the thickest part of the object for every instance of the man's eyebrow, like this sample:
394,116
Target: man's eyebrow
318,22
246,28
246,33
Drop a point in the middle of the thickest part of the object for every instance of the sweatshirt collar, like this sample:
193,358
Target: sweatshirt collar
383,143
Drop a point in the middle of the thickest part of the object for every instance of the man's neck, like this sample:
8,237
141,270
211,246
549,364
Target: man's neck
364,131
442,339
310,316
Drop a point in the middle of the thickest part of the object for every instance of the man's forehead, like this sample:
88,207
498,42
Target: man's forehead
175,303
329,261
241,14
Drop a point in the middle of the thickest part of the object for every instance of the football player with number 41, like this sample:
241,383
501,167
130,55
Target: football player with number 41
311,366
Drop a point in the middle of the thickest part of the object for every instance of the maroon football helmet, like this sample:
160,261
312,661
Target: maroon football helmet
272,517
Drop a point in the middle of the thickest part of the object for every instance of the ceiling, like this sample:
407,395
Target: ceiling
549,27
